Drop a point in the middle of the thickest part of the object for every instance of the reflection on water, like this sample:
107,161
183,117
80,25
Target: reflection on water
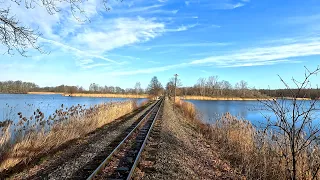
11,104
210,110
249,110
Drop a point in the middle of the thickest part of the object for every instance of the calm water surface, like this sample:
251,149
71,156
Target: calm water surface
11,104
249,110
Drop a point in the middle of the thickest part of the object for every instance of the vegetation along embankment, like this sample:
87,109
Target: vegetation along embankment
39,134
184,152
108,95
44,93
100,95
211,88
256,153
207,98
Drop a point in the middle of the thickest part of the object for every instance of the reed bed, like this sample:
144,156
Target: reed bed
107,95
256,153
222,98
36,135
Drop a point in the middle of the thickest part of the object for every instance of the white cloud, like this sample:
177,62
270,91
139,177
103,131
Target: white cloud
231,6
227,5
182,28
264,55
188,44
84,62
247,57
119,32
94,65
75,51
138,9
263,63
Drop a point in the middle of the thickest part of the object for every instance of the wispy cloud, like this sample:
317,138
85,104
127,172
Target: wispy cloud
188,44
227,6
263,55
182,28
94,65
75,51
263,63
120,32
141,9
231,6
147,70
247,57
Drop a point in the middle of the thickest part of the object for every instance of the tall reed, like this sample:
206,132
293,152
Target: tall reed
38,135
256,153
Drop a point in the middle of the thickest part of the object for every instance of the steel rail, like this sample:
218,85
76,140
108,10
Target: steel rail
103,164
144,144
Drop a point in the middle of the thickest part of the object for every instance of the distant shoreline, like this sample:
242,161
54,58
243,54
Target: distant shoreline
108,95
206,98
44,93
94,95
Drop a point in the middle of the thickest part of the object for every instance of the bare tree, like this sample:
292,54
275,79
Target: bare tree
17,37
137,88
155,87
226,87
170,87
201,84
213,85
244,87
295,130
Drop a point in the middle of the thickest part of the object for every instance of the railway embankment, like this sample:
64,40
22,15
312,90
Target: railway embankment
63,162
185,153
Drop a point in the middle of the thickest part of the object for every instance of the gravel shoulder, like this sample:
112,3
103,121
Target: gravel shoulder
185,154
64,163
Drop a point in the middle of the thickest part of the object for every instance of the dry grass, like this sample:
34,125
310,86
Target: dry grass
49,93
108,95
254,152
220,98
37,135
95,95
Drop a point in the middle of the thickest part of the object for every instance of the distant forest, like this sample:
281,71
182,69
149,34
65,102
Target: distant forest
19,87
210,87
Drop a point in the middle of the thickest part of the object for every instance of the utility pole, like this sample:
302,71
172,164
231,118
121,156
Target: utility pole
175,87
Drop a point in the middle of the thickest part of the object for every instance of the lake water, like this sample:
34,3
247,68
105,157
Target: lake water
249,110
11,104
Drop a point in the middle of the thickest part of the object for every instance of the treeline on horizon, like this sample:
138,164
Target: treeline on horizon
210,87
20,87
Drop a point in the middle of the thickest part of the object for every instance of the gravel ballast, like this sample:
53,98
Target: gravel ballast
63,164
184,153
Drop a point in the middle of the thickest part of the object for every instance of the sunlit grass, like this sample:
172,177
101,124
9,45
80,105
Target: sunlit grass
39,134
256,153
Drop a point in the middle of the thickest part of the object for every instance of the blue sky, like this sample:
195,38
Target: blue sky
251,40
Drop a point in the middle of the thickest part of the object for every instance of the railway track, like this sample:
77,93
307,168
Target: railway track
121,162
